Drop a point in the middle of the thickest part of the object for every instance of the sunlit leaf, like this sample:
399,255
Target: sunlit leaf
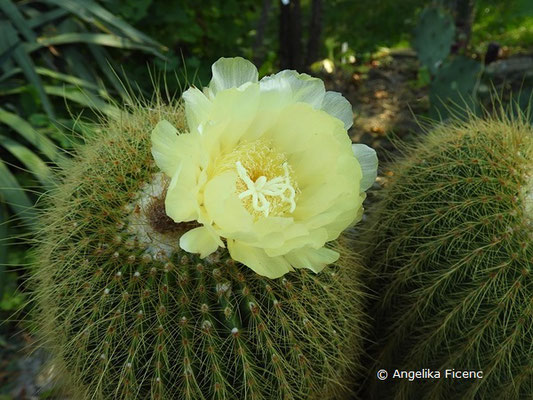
30,160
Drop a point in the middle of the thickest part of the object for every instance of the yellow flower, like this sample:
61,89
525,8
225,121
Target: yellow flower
267,166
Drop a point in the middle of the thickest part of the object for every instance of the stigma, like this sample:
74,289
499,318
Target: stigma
264,191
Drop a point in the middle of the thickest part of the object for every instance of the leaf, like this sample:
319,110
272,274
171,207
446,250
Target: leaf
17,19
30,160
8,36
88,9
16,198
46,17
45,145
6,55
83,98
102,61
73,80
3,239
102,39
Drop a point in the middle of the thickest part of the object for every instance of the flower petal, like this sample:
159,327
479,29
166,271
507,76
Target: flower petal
256,259
181,201
299,87
223,205
200,240
233,112
313,259
337,106
369,164
164,137
197,108
231,73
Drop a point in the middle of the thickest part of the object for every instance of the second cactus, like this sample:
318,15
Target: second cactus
454,248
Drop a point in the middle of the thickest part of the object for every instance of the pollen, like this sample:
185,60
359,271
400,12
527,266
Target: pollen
265,184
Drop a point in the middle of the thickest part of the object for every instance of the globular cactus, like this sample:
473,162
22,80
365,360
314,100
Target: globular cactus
127,314
433,37
453,234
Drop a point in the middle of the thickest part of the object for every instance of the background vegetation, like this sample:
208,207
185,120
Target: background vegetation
65,62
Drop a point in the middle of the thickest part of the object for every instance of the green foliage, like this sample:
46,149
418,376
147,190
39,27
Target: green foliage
453,247
198,33
52,49
54,63
367,25
433,37
129,315
130,10
509,23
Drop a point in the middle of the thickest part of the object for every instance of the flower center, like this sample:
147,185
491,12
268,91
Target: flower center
279,186
265,184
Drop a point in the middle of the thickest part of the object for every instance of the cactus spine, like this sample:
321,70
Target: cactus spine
128,315
454,249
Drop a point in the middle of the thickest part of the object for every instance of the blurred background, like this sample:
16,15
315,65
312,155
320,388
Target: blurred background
65,63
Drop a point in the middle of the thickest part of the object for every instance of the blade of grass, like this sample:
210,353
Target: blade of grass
31,161
16,198
19,125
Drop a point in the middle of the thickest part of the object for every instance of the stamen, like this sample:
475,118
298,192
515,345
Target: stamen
262,187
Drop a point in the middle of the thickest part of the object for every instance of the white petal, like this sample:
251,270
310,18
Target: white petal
302,87
256,259
164,138
200,240
223,205
313,259
181,201
197,108
337,106
369,164
231,73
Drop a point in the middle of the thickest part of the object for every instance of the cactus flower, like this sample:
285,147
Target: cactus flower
266,169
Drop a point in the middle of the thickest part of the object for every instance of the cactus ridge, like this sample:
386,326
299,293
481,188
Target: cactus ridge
128,316
454,247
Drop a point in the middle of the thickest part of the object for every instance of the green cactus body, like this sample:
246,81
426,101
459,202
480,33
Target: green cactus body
433,37
454,248
454,87
128,315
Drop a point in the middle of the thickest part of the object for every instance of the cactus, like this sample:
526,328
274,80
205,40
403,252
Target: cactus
128,315
453,234
433,37
454,86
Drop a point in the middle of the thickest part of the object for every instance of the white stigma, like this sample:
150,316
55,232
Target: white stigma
261,188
